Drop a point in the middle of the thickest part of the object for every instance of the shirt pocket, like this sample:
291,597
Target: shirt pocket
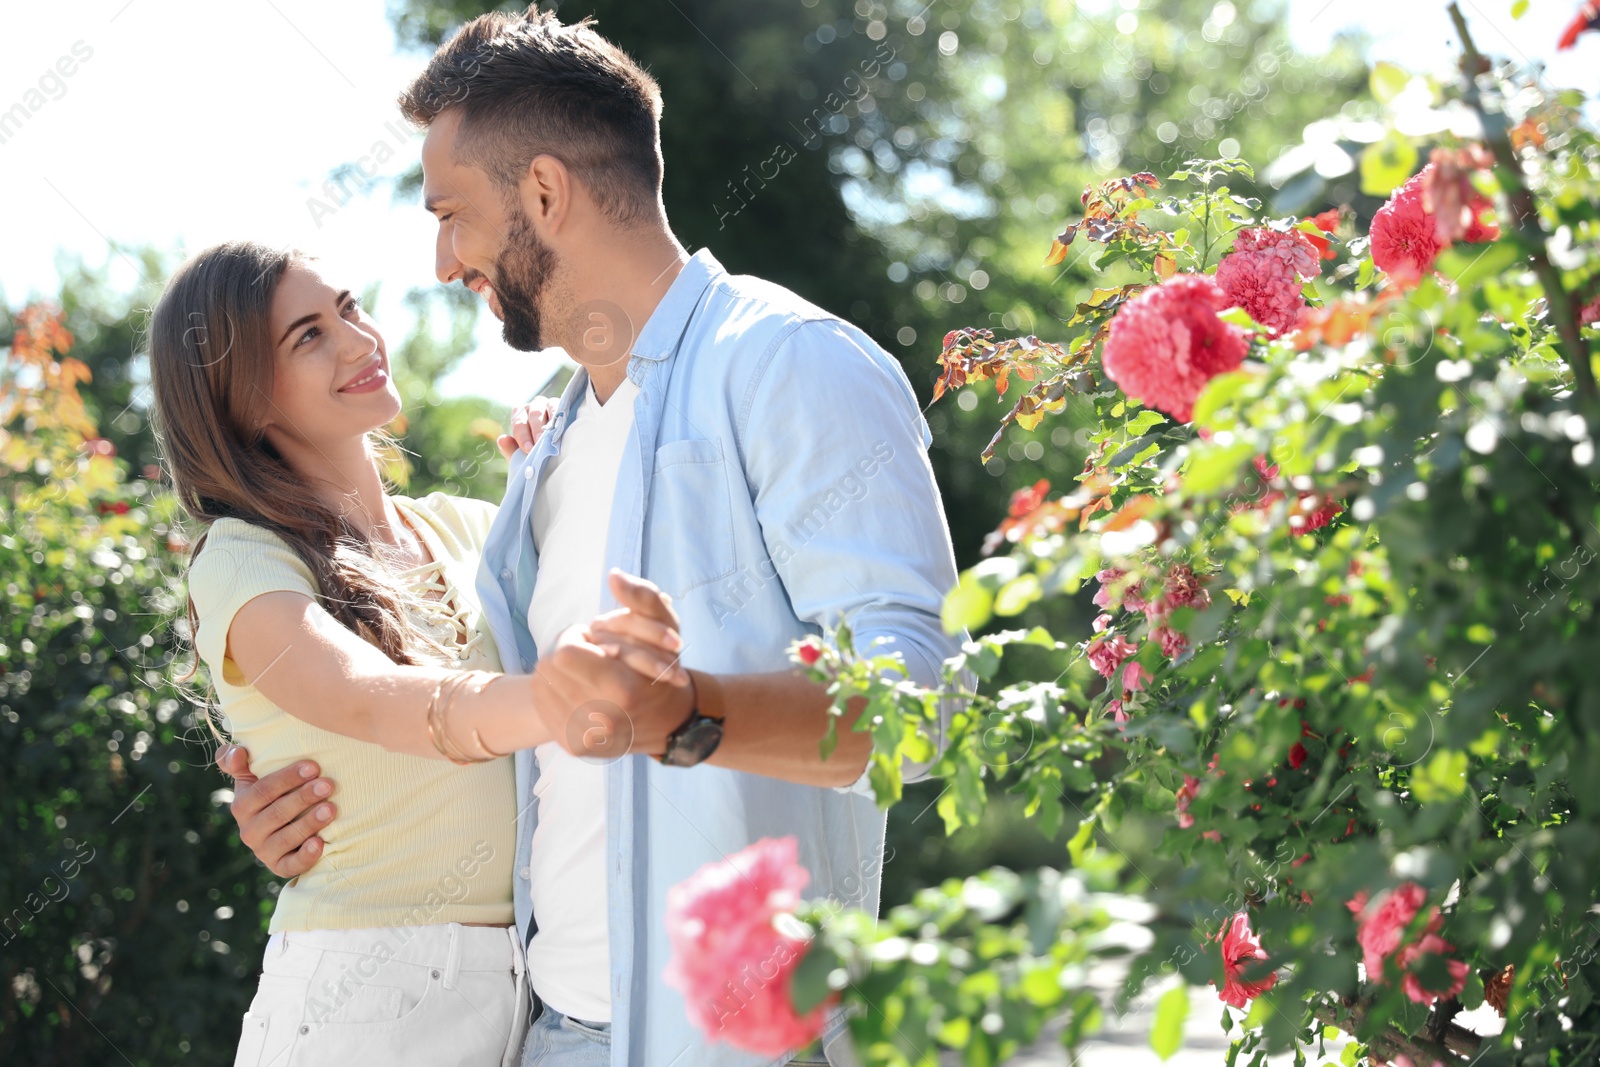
689,532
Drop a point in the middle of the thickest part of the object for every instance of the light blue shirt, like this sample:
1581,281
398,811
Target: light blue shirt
776,480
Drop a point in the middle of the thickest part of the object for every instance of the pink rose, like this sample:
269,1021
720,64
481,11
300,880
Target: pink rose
732,957
1264,273
1128,597
1381,931
1172,642
1430,945
1134,676
1166,343
1240,946
1106,655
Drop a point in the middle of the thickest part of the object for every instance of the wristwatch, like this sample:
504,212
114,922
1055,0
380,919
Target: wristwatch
701,732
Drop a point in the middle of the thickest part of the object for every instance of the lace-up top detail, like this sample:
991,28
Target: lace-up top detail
444,611
447,604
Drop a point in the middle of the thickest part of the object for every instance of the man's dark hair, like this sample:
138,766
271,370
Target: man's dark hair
527,85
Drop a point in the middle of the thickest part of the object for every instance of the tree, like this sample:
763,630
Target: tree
1338,518
135,917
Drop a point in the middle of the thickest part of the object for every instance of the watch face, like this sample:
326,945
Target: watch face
693,743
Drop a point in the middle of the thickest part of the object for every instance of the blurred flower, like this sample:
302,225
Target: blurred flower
1127,597
1241,946
1172,642
1327,222
1180,589
1407,236
1405,241
1134,676
1430,945
1590,314
1186,793
1108,655
1450,197
1382,926
1166,343
732,959
1587,18
809,651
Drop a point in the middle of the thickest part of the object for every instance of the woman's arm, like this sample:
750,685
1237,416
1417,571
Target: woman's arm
322,673
318,670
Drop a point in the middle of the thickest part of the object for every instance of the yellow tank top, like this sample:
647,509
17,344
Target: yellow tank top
416,841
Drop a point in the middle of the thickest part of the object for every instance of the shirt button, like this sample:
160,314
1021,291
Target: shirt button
527,472
524,873
505,573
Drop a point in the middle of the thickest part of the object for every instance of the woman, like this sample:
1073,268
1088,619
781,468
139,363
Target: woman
339,622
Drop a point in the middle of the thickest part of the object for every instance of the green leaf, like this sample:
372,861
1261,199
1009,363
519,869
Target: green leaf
1216,468
1387,81
1469,265
1081,844
810,981
968,606
1016,596
1386,164
1472,993
830,738
1444,777
1166,1035
1217,394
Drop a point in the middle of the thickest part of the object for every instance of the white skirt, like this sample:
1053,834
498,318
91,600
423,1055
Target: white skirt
393,995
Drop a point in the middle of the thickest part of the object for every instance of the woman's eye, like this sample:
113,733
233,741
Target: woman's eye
308,335
353,305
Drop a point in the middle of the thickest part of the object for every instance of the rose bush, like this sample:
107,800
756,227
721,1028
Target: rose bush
1339,515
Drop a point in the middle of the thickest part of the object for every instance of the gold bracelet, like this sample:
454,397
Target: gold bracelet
433,707
439,714
438,729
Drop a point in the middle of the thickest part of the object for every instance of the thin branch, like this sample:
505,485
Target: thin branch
1524,214
1455,1041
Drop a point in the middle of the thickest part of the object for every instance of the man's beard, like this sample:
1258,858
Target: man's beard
522,271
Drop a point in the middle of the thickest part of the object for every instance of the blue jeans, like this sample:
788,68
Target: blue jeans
556,1040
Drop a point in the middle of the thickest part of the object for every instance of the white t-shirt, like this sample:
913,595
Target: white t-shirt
569,959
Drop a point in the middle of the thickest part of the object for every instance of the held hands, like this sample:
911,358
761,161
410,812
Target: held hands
615,685
610,687
527,425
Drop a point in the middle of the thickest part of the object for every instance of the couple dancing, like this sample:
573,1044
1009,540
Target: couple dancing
453,708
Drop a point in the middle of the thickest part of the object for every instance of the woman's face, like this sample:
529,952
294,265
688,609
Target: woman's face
331,381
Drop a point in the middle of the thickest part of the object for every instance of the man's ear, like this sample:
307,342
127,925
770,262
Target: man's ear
547,193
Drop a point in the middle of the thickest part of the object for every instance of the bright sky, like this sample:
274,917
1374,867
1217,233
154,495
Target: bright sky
192,122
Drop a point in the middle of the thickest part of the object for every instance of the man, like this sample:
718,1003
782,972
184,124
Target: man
758,459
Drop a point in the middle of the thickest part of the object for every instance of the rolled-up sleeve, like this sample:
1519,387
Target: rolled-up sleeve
836,455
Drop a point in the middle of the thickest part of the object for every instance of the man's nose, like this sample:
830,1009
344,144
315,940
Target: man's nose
445,264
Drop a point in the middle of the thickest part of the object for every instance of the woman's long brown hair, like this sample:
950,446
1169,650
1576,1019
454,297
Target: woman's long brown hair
211,366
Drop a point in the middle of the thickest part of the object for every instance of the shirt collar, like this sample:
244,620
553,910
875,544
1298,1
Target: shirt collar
664,328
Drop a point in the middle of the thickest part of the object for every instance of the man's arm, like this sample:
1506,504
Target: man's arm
847,489
835,451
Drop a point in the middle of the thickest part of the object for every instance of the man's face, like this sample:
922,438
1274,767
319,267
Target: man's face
486,241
